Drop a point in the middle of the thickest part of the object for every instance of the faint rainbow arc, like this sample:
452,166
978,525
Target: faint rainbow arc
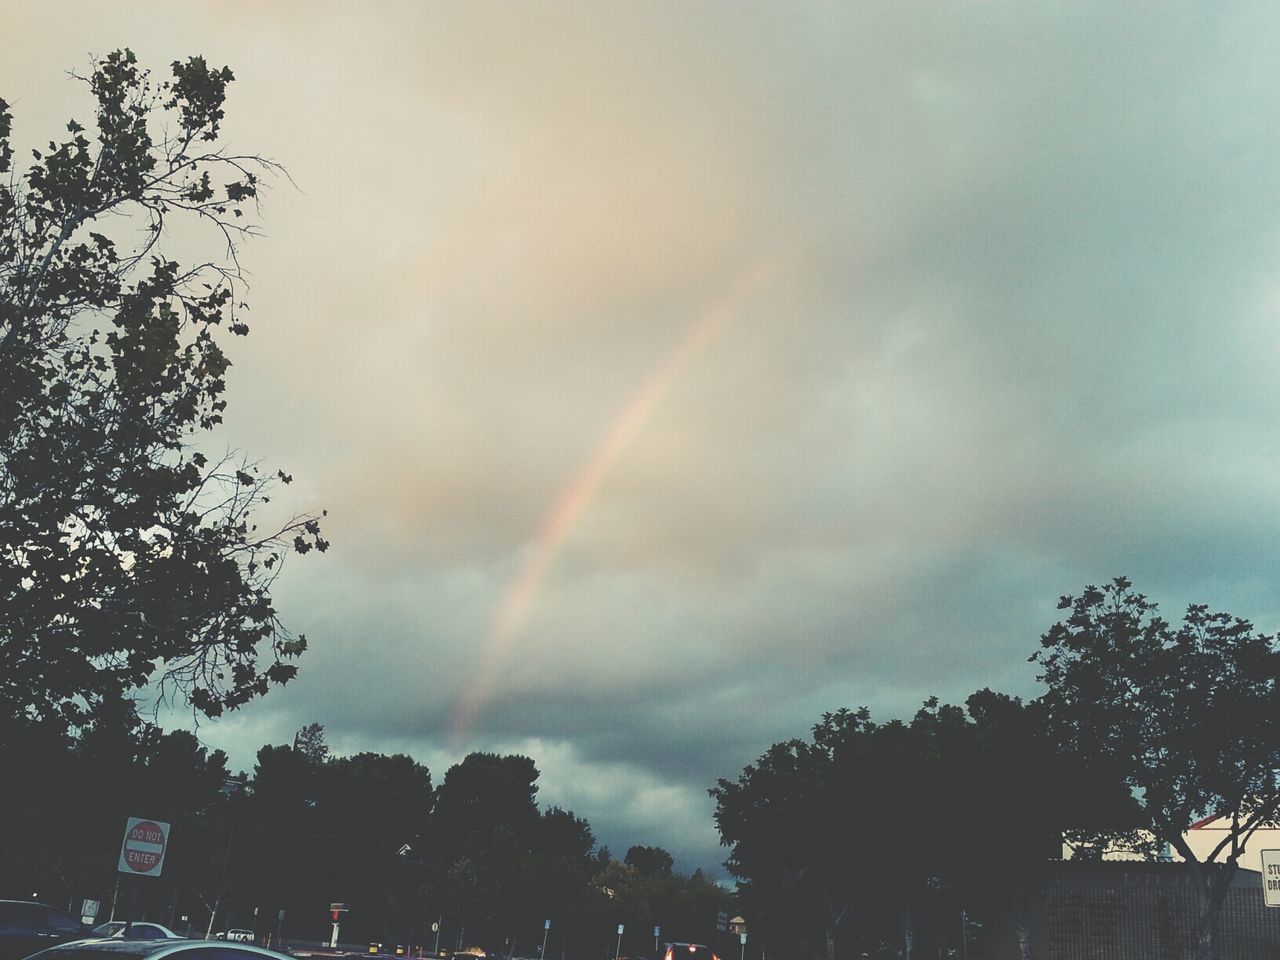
569,506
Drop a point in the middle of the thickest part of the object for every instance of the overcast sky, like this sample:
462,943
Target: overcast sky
676,372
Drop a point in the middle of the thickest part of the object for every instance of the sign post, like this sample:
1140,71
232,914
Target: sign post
1271,878
657,932
141,855
436,927
742,939
546,928
618,951
335,910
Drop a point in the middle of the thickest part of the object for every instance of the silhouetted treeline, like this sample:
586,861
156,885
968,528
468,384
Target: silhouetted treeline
905,839
474,853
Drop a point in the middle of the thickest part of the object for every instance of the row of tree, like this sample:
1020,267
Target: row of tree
876,838
475,854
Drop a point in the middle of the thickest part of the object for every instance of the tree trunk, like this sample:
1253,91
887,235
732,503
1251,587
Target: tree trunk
1212,893
1023,928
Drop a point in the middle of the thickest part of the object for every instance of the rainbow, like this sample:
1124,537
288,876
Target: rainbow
518,597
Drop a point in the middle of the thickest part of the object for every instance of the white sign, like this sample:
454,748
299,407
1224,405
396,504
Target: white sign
1271,878
89,910
657,931
619,929
142,852
546,925
742,938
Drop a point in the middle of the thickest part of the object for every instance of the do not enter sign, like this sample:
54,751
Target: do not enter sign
142,852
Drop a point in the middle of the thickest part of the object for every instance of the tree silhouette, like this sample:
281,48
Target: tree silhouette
1186,714
129,553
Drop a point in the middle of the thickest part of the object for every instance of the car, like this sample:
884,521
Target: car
236,936
142,930
116,948
688,951
27,926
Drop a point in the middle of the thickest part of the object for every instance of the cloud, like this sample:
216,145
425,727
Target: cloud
1022,339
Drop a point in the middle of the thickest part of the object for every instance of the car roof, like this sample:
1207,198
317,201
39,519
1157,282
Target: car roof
113,947
29,903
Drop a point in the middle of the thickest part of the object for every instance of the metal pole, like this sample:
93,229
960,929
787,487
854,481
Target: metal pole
439,923
618,950
133,907
543,954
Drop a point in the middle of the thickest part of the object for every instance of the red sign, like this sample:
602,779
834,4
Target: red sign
142,852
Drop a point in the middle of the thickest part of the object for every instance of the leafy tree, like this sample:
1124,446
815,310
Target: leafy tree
483,793
309,741
1012,798
878,834
127,553
649,861
787,838
1186,713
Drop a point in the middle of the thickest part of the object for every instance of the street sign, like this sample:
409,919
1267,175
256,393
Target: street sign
619,929
1271,878
546,925
89,910
657,931
742,938
142,851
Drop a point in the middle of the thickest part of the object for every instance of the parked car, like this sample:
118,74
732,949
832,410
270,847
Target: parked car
236,936
114,948
141,930
26,926
689,951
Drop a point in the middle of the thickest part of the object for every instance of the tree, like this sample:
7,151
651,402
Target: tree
883,832
309,741
128,554
483,793
649,861
789,839
1186,714
1012,797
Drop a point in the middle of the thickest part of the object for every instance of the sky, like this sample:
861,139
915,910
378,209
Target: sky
673,373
